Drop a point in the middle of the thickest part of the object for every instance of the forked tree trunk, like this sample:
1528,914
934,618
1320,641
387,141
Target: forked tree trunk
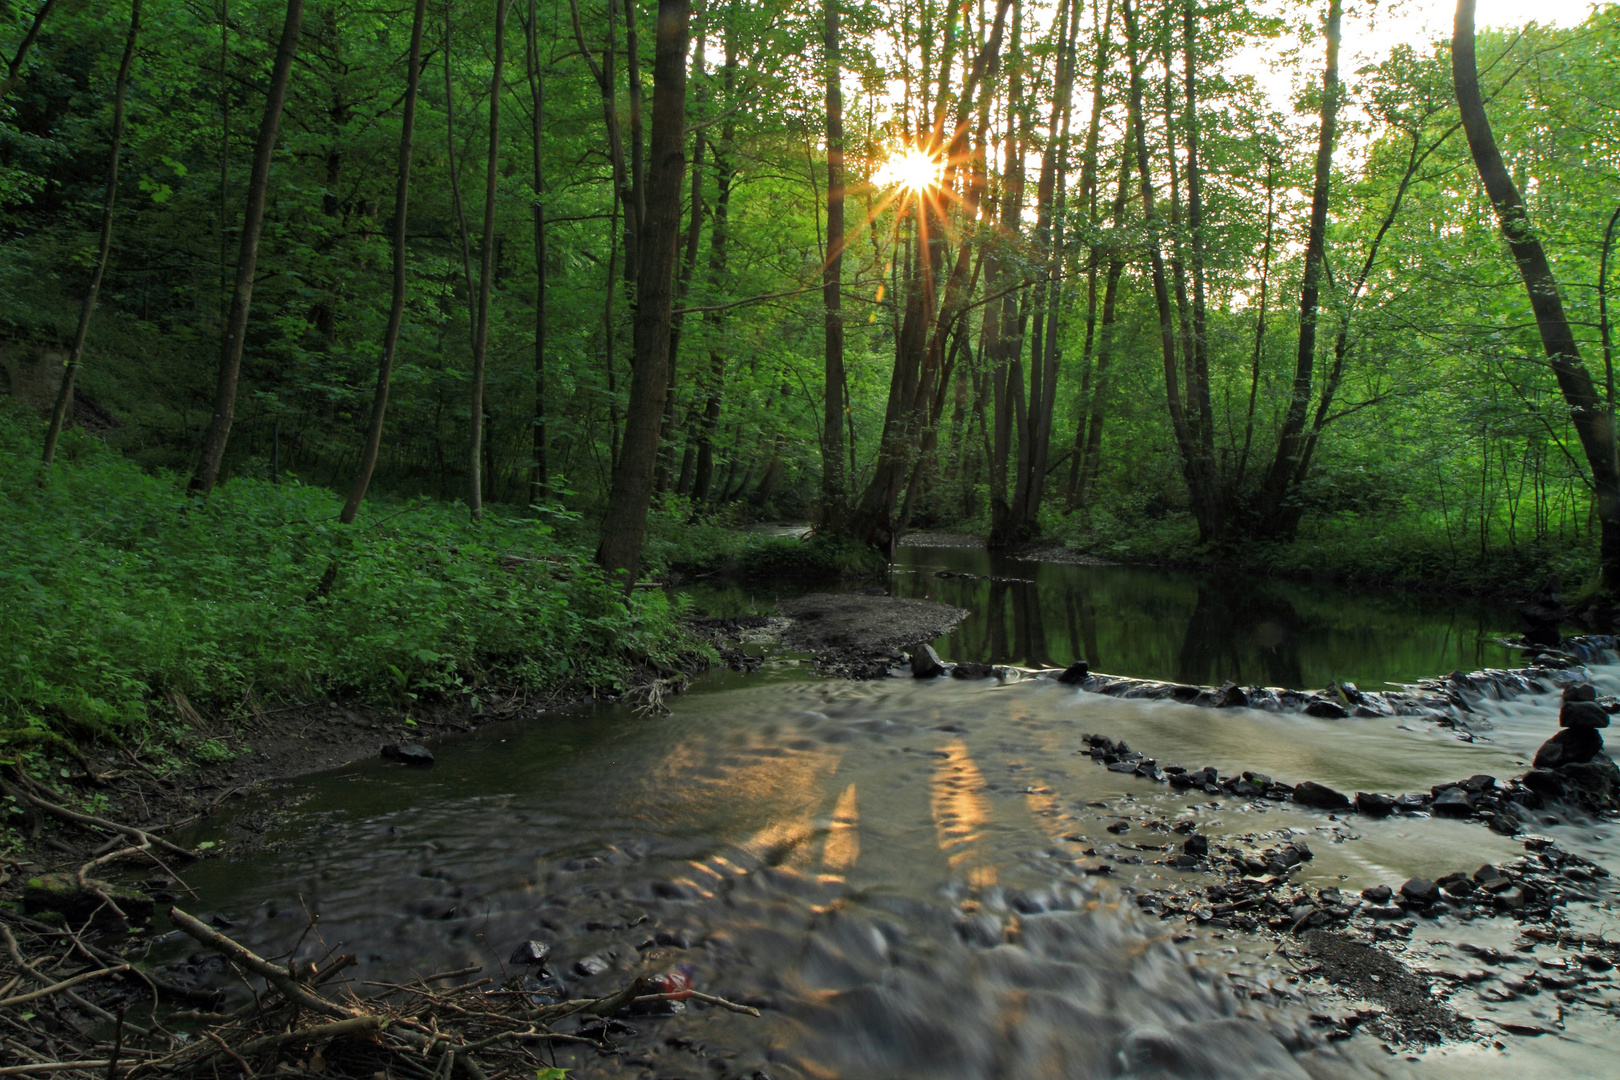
1593,424
625,526
64,393
14,65
247,259
396,310
486,274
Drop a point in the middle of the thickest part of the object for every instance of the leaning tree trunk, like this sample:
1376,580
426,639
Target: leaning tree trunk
396,310
1275,517
247,259
486,275
1591,418
14,67
625,526
64,394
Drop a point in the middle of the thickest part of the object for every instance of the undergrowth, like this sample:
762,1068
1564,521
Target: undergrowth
130,607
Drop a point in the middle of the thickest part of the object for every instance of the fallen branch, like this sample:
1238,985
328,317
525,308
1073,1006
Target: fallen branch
278,976
100,823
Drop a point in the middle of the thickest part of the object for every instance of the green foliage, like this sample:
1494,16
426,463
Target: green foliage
127,600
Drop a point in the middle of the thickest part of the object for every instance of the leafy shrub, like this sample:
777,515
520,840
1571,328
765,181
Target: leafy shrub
117,588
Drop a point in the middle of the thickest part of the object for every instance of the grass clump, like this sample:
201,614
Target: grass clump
128,603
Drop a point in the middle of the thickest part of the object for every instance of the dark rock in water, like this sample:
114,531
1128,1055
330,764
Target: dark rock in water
1510,899
1377,894
1595,783
1196,846
1452,802
1373,804
1570,746
1489,877
1412,801
1326,710
1319,796
63,894
1581,691
1582,714
1229,695
410,754
595,964
1260,780
1351,694
925,663
1479,782
531,953
1074,674
1119,828
1420,892
1544,782
971,670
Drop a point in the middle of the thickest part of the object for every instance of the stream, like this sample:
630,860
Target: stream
905,876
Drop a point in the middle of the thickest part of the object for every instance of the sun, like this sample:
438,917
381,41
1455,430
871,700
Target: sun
910,169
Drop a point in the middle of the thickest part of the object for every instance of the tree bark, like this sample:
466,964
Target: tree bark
396,310
1274,518
247,260
540,477
486,273
14,65
625,526
64,394
833,495
1592,421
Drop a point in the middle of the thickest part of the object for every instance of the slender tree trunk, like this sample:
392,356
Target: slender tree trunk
1279,485
396,310
719,280
247,260
1259,326
1105,344
64,394
1593,423
833,485
625,526
1088,198
683,283
463,233
486,272
540,476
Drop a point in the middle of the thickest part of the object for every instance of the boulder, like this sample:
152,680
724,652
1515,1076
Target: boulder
1229,695
1373,804
1074,674
409,754
63,894
1320,796
971,670
925,663
1325,709
1582,714
1544,782
1573,745
1377,894
1594,783
1420,892
1452,802
1196,846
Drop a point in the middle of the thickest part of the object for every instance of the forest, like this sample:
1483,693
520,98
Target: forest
303,301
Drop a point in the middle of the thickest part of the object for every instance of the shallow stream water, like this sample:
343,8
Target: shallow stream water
905,876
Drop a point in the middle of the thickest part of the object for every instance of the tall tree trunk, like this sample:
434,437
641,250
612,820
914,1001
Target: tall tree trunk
462,232
247,259
486,272
832,441
1279,486
1199,389
1593,423
1088,199
623,185
689,246
64,393
540,476
1259,328
625,526
1092,457
396,310
719,233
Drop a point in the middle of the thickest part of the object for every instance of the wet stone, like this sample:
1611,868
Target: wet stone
1326,710
973,670
530,953
1420,892
1373,804
1196,846
408,754
1582,714
1452,802
1319,796
1581,691
1572,745
925,663
1074,674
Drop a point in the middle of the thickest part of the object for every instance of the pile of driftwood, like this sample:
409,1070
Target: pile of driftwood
304,1019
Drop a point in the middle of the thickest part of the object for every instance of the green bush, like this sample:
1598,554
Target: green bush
122,594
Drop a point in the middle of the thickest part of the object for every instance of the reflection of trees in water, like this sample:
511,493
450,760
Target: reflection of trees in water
1235,622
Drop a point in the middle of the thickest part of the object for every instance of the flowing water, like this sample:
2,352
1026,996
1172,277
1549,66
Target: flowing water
905,876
